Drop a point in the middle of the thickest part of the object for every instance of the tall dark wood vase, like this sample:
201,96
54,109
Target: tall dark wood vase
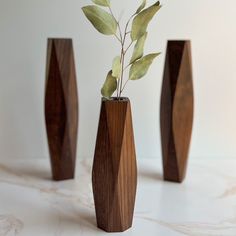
114,174
61,108
176,110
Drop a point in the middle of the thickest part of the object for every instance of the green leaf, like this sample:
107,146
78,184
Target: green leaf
138,48
140,67
104,3
110,85
141,6
116,67
141,21
101,20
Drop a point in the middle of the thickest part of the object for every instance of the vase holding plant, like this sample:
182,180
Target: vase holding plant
114,174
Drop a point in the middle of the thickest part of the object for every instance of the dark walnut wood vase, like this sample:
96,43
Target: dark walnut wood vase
61,108
176,110
114,175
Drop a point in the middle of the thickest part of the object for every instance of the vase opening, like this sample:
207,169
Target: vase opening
115,99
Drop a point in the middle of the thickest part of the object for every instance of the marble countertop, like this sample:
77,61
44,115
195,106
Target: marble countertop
33,205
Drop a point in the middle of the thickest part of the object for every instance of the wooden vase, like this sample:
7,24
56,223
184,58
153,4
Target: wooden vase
114,174
176,110
61,108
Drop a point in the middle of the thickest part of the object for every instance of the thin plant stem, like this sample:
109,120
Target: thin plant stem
117,89
118,38
122,69
127,24
124,85
121,54
127,66
119,29
116,22
122,63
128,47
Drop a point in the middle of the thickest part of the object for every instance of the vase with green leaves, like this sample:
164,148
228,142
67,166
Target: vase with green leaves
114,168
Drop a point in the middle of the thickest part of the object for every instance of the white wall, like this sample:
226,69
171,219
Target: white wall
24,28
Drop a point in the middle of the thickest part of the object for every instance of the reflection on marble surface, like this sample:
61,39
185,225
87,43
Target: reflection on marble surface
204,205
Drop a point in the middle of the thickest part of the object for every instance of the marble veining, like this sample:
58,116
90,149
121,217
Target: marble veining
10,225
224,228
204,205
229,192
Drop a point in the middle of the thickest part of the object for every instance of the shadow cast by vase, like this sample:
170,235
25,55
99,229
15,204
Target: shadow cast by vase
150,175
30,171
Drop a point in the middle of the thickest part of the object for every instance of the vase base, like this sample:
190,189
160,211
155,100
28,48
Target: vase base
114,230
63,177
169,179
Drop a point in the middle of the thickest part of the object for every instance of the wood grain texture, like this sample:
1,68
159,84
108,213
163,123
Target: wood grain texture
176,110
114,174
61,108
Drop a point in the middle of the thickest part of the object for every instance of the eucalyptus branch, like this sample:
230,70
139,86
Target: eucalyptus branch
106,23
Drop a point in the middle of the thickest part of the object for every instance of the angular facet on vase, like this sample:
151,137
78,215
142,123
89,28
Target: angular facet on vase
114,174
177,107
61,108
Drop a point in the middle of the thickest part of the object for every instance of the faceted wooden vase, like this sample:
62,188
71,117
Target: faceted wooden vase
61,108
176,110
114,174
